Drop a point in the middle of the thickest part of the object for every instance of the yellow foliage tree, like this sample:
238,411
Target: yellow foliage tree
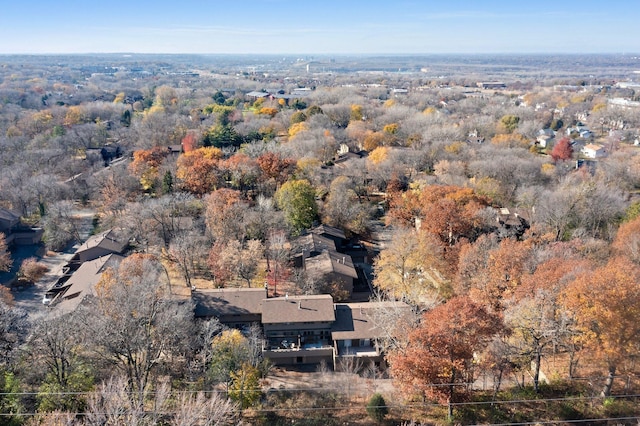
379,155
296,128
356,112
389,103
510,140
119,98
373,140
429,111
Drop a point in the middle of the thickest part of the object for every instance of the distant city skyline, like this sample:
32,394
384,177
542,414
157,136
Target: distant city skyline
327,27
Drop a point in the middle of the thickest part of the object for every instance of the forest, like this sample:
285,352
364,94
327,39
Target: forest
488,206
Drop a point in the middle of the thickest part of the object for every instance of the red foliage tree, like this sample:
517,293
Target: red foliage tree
562,150
438,359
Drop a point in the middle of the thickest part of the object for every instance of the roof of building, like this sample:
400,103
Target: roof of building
331,262
82,282
328,230
593,147
312,243
356,320
228,301
298,309
106,240
9,216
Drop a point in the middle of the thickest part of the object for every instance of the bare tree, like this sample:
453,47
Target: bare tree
135,325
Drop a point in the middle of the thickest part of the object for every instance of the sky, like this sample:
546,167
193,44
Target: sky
319,27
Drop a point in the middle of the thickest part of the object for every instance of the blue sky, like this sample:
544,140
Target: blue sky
320,27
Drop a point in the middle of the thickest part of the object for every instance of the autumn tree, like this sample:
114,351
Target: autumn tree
411,268
223,214
146,164
273,166
31,270
198,170
562,150
438,360
136,325
606,306
538,322
296,198
343,209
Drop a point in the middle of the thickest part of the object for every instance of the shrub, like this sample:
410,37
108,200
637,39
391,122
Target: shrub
377,408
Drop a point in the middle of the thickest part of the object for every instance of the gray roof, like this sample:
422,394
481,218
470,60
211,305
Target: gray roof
106,240
82,282
228,301
9,216
312,243
331,262
355,320
298,309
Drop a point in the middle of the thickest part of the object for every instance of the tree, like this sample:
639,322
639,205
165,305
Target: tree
198,170
242,260
606,305
55,346
31,270
245,385
59,225
509,123
225,209
186,250
136,325
230,351
296,198
377,408
562,150
438,360
221,135
343,209
5,256
412,268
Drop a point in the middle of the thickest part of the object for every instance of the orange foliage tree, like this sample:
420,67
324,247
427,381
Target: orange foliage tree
439,357
198,170
275,167
145,165
606,305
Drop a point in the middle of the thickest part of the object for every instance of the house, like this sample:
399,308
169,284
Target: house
593,151
337,235
333,267
491,85
297,329
356,333
100,245
544,141
317,254
15,232
234,307
67,295
9,221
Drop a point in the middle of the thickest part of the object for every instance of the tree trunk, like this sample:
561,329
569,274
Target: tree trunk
606,391
536,371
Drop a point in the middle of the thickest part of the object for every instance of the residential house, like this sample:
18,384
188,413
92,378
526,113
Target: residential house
317,254
356,332
15,232
593,151
233,307
99,245
337,235
297,329
67,295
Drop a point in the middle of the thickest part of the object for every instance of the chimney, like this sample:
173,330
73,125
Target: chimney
300,305
343,259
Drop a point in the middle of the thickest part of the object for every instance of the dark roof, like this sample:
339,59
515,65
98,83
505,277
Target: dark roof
328,230
355,320
312,243
228,301
298,309
9,216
